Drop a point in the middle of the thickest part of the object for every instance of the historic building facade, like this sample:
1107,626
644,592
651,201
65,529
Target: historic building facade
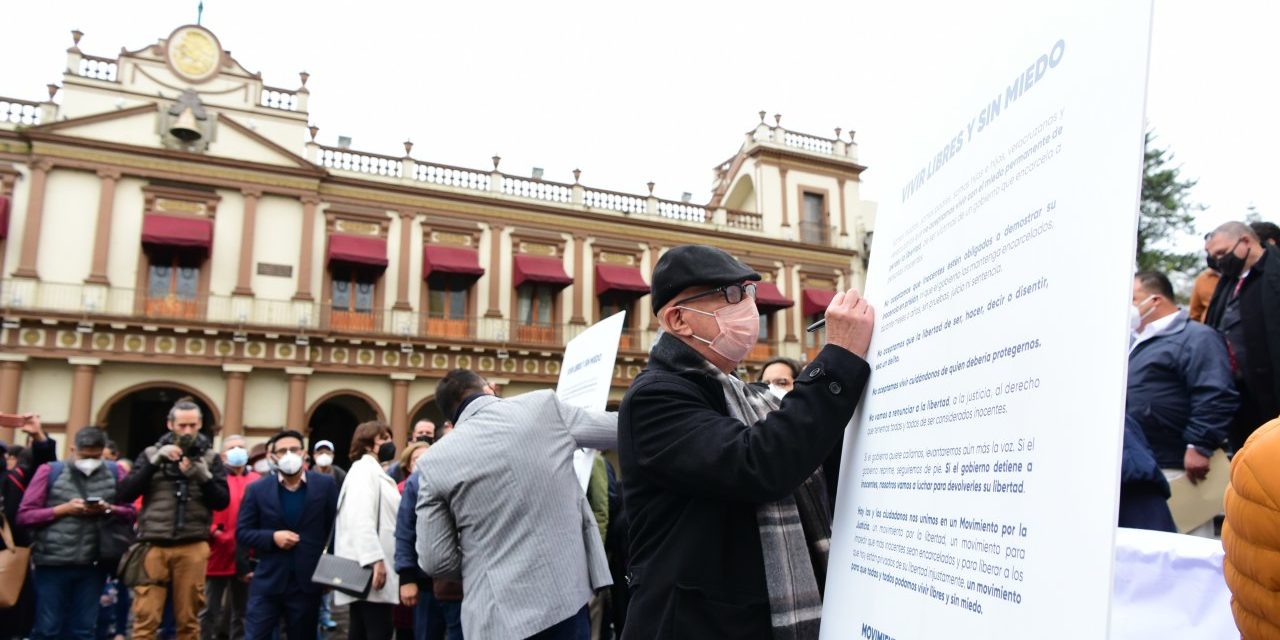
170,226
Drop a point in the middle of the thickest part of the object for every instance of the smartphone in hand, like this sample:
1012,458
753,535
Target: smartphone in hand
12,420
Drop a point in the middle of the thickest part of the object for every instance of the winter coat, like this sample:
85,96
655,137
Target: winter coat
366,529
222,533
692,480
176,508
1251,535
69,540
1180,390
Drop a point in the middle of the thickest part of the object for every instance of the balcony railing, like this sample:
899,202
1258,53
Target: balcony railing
277,98
92,303
19,111
98,68
816,233
744,220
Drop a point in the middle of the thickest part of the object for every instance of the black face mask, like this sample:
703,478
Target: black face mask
424,438
1231,265
1210,261
387,452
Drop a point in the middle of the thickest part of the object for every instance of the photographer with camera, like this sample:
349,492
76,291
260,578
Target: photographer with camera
182,482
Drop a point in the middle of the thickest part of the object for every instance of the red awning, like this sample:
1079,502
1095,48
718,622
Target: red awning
455,261
368,251
620,280
815,301
541,270
171,231
4,217
768,298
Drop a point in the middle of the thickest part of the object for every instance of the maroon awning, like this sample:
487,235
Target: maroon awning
159,230
4,217
620,280
365,251
456,261
815,301
769,299
541,270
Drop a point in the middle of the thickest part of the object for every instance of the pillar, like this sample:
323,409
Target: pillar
83,372
400,407
402,280
792,310
10,386
653,262
495,270
843,229
107,179
308,244
244,281
233,409
31,225
296,405
579,278
782,176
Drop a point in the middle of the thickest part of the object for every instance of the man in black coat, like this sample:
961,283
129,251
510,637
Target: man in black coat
722,488
1245,309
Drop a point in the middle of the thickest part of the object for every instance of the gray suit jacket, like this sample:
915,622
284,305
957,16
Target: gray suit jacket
501,508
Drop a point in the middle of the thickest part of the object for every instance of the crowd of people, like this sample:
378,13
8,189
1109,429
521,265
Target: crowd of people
508,522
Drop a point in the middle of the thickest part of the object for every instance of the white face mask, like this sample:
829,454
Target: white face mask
323,460
1136,316
777,391
262,466
289,463
88,465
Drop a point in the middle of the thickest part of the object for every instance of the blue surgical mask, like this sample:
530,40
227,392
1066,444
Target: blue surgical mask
237,457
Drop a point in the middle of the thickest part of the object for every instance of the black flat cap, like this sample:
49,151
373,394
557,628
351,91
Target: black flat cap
691,265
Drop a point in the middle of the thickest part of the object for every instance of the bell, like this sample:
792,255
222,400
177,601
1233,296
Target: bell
185,127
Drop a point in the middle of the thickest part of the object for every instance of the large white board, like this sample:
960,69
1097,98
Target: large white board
978,495
586,373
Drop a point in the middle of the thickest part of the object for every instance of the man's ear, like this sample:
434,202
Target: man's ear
673,321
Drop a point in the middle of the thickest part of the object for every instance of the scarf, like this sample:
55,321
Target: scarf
795,532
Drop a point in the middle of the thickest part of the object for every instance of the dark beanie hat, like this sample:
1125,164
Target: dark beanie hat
691,265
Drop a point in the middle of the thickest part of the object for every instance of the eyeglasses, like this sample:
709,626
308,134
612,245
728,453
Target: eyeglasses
733,293
283,450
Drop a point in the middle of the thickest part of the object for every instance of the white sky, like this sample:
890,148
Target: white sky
664,90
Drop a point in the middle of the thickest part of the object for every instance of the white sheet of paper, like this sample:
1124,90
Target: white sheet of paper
978,493
586,373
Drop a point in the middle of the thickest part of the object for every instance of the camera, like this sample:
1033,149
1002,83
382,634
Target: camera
193,445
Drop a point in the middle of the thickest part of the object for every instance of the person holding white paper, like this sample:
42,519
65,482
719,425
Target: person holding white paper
729,515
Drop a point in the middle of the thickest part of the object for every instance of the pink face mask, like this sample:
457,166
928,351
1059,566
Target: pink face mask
739,329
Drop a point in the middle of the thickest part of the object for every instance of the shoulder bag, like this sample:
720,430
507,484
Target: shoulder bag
344,574
14,561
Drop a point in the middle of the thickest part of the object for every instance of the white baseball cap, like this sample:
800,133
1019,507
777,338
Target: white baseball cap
324,444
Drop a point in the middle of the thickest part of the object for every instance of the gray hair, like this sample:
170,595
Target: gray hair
235,437
1234,231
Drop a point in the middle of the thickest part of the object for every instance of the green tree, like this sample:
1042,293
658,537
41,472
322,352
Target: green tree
1166,212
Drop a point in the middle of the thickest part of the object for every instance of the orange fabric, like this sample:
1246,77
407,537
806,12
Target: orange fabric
1251,535
1201,293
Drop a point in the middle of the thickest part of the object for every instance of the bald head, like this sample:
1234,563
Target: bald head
1235,247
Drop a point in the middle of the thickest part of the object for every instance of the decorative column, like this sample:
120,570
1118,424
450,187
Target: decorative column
102,230
296,411
495,270
244,282
791,310
653,262
402,280
10,386
233,411
843,229
82,375
400,408
304,251
579,278
782,174
31,225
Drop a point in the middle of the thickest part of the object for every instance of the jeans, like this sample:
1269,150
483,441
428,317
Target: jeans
67,601
181,567
575,627
300,612
452,610
236,594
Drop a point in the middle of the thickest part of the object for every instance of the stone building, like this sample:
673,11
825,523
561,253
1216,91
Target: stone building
169,225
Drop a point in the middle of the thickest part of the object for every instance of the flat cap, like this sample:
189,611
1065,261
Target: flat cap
691,265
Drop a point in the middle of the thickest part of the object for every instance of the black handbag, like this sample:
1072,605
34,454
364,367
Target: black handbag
344,574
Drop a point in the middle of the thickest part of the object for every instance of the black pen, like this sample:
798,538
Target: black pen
817,325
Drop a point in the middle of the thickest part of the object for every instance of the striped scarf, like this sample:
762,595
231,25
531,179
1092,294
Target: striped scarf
795,532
